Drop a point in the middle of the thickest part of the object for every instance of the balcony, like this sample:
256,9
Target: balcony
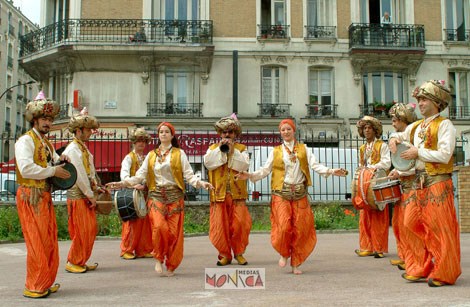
273,32
364,36
10,62
457,36
274,110
7,127
459,112
377,111
321,111
319,33
64,112
18,131
9,95
192,110
117,32
11,30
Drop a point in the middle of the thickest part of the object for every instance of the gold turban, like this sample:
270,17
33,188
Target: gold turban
435,91
228,123
139,134
83,120
41,107
369,120
404,112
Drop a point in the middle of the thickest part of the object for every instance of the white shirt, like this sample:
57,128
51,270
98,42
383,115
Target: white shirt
293,173
445,144
74,153
24,154
162,171
239,161
126,166
385,161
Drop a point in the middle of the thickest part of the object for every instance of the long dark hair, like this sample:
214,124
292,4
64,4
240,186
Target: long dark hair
174,140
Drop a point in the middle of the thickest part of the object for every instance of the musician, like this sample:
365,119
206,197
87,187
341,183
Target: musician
136,234
402,115
230,221
292,221
164,170
373,224
431,213
35,157
81,201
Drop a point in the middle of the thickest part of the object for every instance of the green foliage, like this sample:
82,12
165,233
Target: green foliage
334,216
10,228
196,221
109,225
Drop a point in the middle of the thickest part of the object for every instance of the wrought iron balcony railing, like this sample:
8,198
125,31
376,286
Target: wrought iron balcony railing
457,35
393,36
273,31
371,110
11,30
320,32
174,109
18,131
64,111
117,31
7,127
9,95
322,111
459,112
274,109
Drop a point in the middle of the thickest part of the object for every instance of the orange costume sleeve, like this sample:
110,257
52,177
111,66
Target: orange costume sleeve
40,234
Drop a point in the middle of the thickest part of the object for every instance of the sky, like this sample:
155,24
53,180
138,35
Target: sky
29,8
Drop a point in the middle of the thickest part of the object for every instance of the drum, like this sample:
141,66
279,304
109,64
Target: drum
387,192
130,204
65,184
104,203
400,163
363,183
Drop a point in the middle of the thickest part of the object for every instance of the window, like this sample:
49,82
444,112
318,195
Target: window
273,19
319,13
459,84
384,88
457,20
273,85
176,91
59,94
320,91
372,11
176,9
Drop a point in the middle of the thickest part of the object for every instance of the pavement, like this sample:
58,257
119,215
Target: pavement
333,276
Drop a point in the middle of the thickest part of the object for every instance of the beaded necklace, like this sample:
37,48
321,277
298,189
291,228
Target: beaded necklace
162,157
292,154
424,127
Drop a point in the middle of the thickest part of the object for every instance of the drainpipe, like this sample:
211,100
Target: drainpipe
235,82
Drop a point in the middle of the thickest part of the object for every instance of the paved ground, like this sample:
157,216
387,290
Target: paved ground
333,276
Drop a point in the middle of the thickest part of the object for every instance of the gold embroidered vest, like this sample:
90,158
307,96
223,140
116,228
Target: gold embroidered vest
375,156
134,164
40,158
278,170
175,165
222,176
430,142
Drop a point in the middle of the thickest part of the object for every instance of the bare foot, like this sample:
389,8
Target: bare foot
170,273
158,267
282,262
296,271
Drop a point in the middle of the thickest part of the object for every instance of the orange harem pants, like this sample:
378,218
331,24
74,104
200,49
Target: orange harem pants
230,226
40,235
431,217
373,230
167,231
82,229
292,228
136,237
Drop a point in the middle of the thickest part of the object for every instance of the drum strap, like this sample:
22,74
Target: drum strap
291,191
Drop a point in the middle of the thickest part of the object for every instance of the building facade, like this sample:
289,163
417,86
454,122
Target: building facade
13,78
325,63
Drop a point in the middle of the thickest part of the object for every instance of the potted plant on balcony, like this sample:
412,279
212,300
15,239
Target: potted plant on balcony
379,108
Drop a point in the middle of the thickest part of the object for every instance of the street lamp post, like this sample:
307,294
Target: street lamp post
13,86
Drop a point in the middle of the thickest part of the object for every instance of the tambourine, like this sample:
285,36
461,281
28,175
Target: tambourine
67,183
400,163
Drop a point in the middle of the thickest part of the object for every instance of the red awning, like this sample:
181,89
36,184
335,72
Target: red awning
6,167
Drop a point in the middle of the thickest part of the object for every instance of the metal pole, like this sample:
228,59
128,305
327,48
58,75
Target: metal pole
235,82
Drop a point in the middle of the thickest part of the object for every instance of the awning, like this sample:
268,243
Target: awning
7,167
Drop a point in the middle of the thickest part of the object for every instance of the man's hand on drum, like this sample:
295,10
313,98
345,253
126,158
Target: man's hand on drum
392,144
410,154
206,185
340,172
139,187
63,158
394,175
114,185
61,172
92,202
